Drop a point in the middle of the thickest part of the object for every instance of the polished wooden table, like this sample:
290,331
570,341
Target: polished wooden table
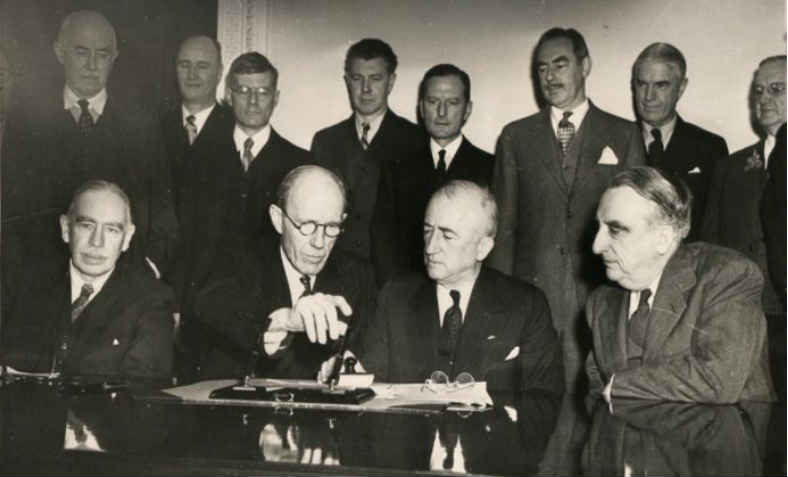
46,430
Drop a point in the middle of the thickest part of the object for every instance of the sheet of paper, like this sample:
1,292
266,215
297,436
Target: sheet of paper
9,371
419,393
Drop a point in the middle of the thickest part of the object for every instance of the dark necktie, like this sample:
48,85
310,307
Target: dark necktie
566,131
81,302
638,322
307,285
247,156
452,321
85,119
365,135
191,128
656,150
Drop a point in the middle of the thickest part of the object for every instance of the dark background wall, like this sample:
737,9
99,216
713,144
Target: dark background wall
148,31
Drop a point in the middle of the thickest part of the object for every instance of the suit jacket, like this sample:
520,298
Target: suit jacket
692,155
338,148
706,338
229,207
46,158
773,216
241,295
126,330
733,214
406,186
401,344
546,226
667,438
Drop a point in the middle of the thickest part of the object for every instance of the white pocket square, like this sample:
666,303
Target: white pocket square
607,157
115,342
515,352
491,337
695,170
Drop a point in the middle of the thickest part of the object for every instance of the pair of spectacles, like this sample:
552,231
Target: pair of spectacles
439,382
331,229
246,91
774,89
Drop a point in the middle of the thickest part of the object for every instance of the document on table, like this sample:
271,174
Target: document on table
474,396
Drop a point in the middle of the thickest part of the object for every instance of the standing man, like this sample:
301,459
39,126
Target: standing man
733,215
86,131
297,293
550,170
407,183
659,78
684,322
462,316
94,314
373,135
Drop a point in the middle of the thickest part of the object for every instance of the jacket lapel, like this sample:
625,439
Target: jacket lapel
552,156
670,301
104,308
613,332
424,320
595,139
484,315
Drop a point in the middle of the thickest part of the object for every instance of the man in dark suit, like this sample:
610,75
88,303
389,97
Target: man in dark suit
407,183
80,132
550,170
463,317
683,322
285,301
95,315
373,135
738,192
658,81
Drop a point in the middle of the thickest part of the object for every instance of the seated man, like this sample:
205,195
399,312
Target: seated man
464,317
288,292
95,315
684,322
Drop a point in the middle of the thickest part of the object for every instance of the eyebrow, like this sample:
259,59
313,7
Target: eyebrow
82,218
616,224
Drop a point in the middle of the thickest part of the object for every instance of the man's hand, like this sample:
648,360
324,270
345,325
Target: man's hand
315,315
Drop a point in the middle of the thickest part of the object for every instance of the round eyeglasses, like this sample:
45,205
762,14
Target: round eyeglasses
439,382
331,229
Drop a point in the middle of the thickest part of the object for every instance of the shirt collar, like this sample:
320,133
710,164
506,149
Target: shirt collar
445,301
666,130
199,117
578,114
260,139
77,281
374,124
294,278
634,295
451,150
96,103
768,145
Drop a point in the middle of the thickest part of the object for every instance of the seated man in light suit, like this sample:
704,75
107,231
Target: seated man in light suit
97,314
464,317
289,293
684,322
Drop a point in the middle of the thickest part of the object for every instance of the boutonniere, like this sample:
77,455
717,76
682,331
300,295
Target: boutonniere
754,161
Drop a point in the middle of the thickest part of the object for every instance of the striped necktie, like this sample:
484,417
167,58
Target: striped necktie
566,131
81,302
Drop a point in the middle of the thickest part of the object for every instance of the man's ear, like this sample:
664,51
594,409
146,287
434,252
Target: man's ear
683,87
130,229
275,213
60,51
586,63
665,237
228,95
64,228
468,110
484,247
392,80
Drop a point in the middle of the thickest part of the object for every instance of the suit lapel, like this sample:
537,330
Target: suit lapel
104,307
551,157
424,320
670,301
613,332
484,314
595,139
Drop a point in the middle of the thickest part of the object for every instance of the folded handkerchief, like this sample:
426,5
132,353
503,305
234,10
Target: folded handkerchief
607,157
515,352
695,170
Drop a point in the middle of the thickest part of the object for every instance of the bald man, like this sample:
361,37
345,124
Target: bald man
462,316
84,131
291,298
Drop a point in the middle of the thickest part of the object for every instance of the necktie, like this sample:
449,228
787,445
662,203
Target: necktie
247,157
307,285
638,322
191,128
85,119
452,321
81,302
656,149
566,131
441,162
364,135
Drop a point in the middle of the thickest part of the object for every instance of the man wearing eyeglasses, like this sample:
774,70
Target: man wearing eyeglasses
736,196
462,318
293,298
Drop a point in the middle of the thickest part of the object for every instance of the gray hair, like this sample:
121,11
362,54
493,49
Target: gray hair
486,201
97,185
73,18
283,192
664,53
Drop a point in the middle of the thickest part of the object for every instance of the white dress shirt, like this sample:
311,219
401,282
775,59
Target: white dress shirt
77,281
450,148
374,124
445,301
578,114
273,339
199,118
260,139
96,104
768,146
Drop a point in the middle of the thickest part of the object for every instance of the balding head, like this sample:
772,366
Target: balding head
199,69
308,215
86,46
